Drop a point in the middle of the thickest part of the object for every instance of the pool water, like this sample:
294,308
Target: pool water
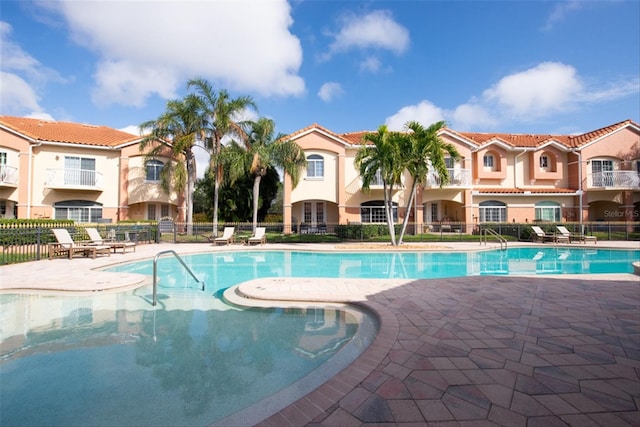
222,270
191,361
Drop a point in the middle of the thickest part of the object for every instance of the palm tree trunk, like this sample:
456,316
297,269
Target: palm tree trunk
414,186
256,200
388,209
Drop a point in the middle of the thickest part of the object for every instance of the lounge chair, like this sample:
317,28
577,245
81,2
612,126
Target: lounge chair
96,239
66,245
226,238
541,236
573,237
259,237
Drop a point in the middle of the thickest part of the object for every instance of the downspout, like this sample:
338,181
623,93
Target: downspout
31,147
580,188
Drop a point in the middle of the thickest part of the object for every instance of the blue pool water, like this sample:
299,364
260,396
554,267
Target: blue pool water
112,359
221,270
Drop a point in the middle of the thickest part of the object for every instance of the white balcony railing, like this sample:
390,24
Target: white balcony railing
8,175
457,178
614,179
79,179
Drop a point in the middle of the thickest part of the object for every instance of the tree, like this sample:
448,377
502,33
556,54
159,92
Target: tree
178,128
423,150
222,119
380,155
261,152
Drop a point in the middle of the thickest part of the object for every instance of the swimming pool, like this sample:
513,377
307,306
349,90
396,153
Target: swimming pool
220,270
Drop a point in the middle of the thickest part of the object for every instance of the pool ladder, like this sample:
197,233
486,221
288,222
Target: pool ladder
155,271
485,232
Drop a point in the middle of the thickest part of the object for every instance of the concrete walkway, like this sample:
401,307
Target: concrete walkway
470,351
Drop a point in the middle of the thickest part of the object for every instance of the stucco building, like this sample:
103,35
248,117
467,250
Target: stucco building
499,178
76,171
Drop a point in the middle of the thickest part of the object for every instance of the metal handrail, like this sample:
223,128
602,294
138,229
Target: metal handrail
485,231
155,271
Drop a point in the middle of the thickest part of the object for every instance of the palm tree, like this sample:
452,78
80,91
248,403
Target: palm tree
381,155
423,150
222,119
178,128
262,151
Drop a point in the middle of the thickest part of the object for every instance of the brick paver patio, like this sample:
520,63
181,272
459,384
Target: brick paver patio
476,351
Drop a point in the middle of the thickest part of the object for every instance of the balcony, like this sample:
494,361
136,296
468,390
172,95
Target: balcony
74,179
457,178
614,180
8,176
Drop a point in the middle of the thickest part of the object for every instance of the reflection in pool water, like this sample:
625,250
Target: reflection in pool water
191,362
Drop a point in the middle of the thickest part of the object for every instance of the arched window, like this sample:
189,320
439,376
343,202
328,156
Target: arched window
373,211
547,211
315,166
78,210
493,211
153,170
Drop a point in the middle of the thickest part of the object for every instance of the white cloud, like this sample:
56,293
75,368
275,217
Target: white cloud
16,95
21,77
560,12
329,91
371,64
132,129
471,116
543,91
546,88
375,30
152,47
425,112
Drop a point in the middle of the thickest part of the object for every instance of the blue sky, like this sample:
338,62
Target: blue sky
511,66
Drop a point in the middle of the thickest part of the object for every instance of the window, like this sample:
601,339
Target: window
307,212
78,210
315,166
151,212
164,210
373,212
493,211
153,170
3,208
488,161
544,161
434,212
449,162
3,165
79,171
320,213
377,180
313,213
547,211
602,173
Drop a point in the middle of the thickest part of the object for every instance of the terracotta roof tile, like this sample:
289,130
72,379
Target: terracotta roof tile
71,133
579,140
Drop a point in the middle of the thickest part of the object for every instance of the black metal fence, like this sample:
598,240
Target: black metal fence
21,242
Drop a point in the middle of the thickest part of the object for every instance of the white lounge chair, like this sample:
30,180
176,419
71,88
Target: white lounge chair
226,238
66,245
579,237
259,237
96,239
540,235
